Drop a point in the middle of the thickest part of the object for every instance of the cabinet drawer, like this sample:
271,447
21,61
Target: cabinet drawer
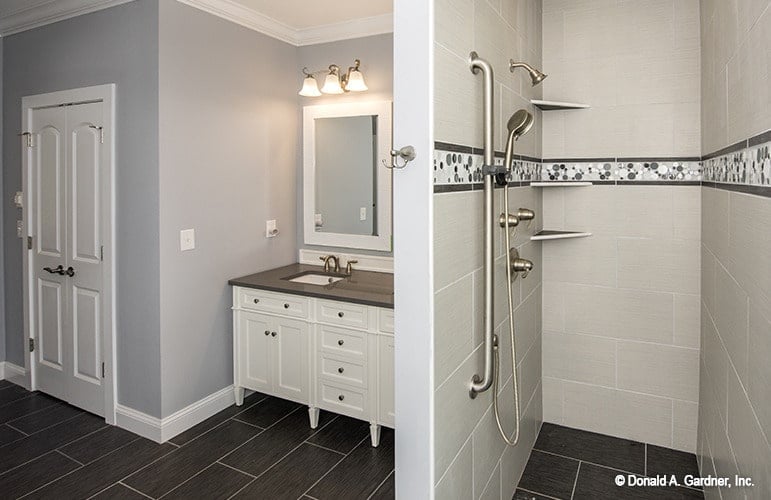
344,371
342,342
342,313
343,400
276,303
385,320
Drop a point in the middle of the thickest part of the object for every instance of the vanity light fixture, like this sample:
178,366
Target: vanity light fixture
334,83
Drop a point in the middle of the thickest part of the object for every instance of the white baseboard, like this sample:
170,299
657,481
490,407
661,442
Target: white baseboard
14,373
163,429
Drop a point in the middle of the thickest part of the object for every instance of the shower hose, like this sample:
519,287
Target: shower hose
511,441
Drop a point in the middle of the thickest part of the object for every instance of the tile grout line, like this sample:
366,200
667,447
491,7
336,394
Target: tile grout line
537,493
129,487
235,469
68,457
19,430
388,476
575,482
325,448
333,467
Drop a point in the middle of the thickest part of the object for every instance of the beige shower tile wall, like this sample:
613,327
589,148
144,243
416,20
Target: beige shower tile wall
471,460
734,410
470,455
621,312
636,63
736,62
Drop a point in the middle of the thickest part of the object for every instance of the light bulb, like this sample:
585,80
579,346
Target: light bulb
356,82
332,84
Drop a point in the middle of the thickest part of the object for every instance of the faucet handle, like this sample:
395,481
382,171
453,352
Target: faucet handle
349,266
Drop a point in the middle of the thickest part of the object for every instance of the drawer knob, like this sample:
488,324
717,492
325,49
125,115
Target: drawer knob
341,397
340,370
340,314
256,301
286,306
267,332
273,334
340,342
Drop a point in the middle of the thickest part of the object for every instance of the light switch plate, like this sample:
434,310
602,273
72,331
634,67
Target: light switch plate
18,199
363,213
187,239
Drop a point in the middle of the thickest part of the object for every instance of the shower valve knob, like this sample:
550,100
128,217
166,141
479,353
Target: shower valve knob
523,266
525,214
513,220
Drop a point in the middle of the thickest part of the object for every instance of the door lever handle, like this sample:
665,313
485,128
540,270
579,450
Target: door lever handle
69,272
58,270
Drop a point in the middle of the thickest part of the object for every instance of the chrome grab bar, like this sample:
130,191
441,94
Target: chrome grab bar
481,384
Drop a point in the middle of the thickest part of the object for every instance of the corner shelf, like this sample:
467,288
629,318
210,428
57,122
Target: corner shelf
547,234
560,184
557,105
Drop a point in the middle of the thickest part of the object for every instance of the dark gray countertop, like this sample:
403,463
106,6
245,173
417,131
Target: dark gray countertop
362,287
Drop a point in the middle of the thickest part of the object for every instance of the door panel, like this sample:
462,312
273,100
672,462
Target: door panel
292,359
86,240
50,312
86,334
255,351
49,172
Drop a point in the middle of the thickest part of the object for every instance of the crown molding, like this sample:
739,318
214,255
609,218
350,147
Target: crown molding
51,12
237,13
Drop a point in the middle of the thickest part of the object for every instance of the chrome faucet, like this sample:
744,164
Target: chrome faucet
326,260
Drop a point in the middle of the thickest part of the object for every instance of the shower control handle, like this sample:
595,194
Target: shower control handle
513,220
522,266
525,214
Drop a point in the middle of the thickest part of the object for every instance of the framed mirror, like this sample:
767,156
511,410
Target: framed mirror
346,187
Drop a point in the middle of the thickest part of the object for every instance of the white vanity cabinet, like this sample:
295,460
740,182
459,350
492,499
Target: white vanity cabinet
327,354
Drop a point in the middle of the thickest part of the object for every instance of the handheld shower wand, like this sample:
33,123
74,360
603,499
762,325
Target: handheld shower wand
519,124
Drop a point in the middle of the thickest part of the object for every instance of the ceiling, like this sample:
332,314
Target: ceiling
301,14
299,22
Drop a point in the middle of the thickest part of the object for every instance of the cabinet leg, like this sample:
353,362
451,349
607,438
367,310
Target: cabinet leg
239,391
313,413
374,434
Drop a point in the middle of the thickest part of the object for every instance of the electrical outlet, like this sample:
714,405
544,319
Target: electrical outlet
271,231
363,213
187,239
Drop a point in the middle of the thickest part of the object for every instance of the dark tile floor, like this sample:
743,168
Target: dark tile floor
572,464
263,449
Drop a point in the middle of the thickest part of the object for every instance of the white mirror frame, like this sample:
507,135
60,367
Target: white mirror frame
381,109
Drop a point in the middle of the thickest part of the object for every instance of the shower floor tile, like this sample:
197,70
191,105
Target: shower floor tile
570,464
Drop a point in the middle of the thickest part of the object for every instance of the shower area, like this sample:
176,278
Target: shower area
601,243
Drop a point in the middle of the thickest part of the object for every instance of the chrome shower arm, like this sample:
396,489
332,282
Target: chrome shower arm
481,384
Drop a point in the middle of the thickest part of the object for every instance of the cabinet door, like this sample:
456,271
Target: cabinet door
386,367
254,351
291,359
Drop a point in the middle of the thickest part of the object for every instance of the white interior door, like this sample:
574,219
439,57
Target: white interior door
67,253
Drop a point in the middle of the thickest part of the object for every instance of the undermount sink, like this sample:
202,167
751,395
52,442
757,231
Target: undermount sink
313,278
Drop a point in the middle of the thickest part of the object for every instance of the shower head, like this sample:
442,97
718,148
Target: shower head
519,124
535,75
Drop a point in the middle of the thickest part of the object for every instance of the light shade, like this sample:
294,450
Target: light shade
356,82
310,87
332,84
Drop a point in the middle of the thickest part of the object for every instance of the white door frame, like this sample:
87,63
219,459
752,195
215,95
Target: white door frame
105,94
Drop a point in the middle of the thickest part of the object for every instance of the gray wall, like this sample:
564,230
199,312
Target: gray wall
471,459
117,45
734,435
229,139
376,55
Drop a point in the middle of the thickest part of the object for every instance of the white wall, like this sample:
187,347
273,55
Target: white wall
228,161
636,62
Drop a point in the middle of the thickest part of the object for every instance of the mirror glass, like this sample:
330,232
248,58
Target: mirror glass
347,189
346,194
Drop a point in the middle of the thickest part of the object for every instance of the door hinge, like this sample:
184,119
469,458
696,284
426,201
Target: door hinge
101,132
31,345
101,253
29,242
102,369
27,137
